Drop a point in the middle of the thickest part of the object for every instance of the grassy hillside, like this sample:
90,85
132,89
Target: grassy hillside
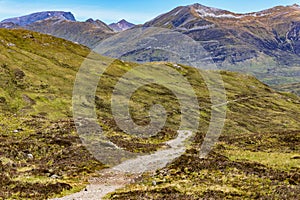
38,139
41,154
257,155
37,72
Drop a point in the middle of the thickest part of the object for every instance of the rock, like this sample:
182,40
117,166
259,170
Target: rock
2,100
296,157
30,156
55,176
28,36
11,44
19,74
28,100
154,183
177,66
17,130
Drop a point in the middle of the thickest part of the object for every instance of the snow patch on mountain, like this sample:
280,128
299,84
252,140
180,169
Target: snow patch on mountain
175,14
208,13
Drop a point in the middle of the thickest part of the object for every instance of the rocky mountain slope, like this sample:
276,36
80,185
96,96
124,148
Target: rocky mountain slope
273,31
122,25
41,154
264,43
87,33
62,25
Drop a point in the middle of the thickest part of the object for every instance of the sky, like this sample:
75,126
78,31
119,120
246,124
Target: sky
136,11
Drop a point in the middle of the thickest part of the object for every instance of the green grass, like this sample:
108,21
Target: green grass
281,161
216,178
260,123
264,68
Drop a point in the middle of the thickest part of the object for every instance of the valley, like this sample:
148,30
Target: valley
36,119
191,77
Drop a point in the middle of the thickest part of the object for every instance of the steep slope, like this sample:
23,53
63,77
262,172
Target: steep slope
122,25
264,43
41,154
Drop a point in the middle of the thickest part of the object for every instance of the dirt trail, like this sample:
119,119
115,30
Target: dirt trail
117,177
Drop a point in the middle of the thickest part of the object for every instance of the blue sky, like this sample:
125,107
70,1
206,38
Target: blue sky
137,11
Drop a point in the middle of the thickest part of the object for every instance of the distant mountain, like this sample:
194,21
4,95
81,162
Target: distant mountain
8,25
99,24
235,37
265,43
63,25
88,33
121,25
294,88
34,17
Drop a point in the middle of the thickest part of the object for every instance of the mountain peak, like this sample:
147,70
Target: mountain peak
34,17
90,20
295,6
123,21
122,25
202,11
99,24
198,5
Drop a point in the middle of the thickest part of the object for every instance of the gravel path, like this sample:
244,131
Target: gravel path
117,177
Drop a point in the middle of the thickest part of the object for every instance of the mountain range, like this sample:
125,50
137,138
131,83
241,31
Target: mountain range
265,43
64,25
235,38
